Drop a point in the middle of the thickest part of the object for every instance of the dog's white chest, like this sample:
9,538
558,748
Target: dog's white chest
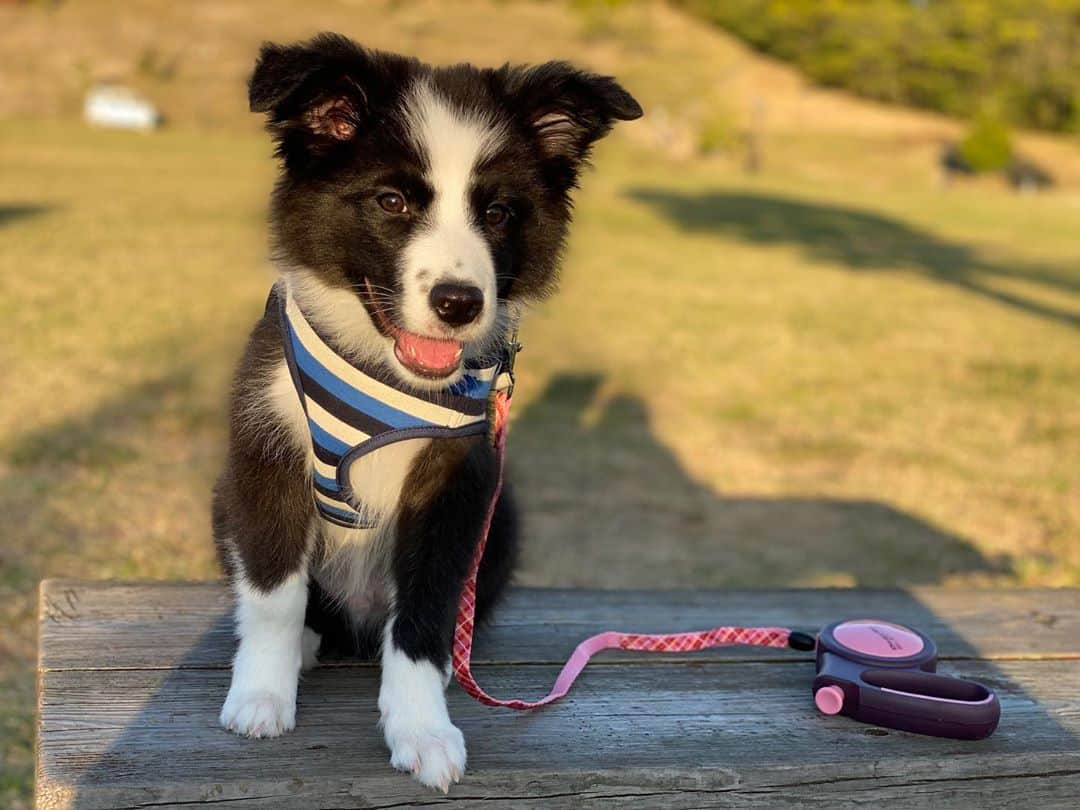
377,478
355,564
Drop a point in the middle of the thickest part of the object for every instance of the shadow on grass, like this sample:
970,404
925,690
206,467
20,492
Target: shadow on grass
103,436
606,504
858,239
10,214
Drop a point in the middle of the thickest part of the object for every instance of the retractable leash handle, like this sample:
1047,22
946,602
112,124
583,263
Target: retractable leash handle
873,671
884,673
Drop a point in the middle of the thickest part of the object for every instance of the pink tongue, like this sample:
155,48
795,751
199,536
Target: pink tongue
428,353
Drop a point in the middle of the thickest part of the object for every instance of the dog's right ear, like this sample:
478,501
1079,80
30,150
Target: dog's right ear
313,93
565,111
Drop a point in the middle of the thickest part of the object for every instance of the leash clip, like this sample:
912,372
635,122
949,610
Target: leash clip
513,346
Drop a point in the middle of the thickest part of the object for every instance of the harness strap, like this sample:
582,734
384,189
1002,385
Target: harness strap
355,407
664,642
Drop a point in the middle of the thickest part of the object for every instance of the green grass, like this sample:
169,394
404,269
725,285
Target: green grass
832,372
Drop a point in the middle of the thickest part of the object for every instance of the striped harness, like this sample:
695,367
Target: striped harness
355,408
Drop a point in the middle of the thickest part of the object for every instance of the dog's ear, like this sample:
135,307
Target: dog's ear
565,109
313,93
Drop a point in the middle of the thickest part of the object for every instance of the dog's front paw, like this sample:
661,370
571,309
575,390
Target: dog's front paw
258,713
433,753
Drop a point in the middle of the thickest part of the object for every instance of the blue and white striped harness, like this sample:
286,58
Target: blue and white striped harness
354,408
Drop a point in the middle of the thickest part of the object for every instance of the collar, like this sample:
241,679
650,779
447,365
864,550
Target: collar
353,408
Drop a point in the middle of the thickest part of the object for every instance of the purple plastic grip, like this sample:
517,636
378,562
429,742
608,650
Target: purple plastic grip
884,673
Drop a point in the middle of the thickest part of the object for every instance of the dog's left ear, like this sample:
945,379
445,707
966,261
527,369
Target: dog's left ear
313,93
566,109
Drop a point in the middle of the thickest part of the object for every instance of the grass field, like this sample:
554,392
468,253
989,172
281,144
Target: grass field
830,372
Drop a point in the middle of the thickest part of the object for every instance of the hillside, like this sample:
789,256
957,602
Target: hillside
193,58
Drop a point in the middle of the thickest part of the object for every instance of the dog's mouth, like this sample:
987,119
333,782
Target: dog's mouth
428,357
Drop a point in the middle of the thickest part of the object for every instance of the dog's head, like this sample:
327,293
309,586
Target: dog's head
417,204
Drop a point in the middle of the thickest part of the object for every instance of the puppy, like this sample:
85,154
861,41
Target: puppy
417,209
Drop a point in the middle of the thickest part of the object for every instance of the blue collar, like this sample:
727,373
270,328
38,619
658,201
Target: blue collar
354,408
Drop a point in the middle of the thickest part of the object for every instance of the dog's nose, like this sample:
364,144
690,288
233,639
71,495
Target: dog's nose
456,304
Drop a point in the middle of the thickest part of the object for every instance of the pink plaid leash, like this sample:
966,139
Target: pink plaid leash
665,643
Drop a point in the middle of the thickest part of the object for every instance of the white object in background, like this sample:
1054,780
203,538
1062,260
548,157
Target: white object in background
111,106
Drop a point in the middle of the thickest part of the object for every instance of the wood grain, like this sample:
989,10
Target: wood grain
129,738
123,727
114,625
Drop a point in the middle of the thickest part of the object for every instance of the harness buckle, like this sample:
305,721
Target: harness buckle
495,419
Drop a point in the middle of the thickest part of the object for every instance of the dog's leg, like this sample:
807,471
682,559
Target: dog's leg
263,525
262,698
441,514
412,702
309,649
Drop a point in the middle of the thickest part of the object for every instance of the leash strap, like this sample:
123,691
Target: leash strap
610,640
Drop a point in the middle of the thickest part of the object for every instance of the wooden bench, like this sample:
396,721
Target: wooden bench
132,676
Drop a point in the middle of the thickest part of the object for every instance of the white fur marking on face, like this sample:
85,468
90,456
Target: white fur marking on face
449,248
262,697
421,738
339,313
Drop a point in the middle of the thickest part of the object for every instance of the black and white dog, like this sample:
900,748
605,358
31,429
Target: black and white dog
417,209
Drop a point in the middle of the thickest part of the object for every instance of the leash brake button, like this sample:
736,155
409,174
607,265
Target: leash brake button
829,699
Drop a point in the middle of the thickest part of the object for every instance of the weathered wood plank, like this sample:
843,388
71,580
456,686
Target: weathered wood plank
116,625
658,735
132,676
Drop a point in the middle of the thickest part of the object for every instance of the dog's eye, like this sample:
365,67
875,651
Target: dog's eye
496,215
392,203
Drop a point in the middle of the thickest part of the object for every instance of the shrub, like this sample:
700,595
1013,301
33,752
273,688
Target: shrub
717,133
987,146
946,55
